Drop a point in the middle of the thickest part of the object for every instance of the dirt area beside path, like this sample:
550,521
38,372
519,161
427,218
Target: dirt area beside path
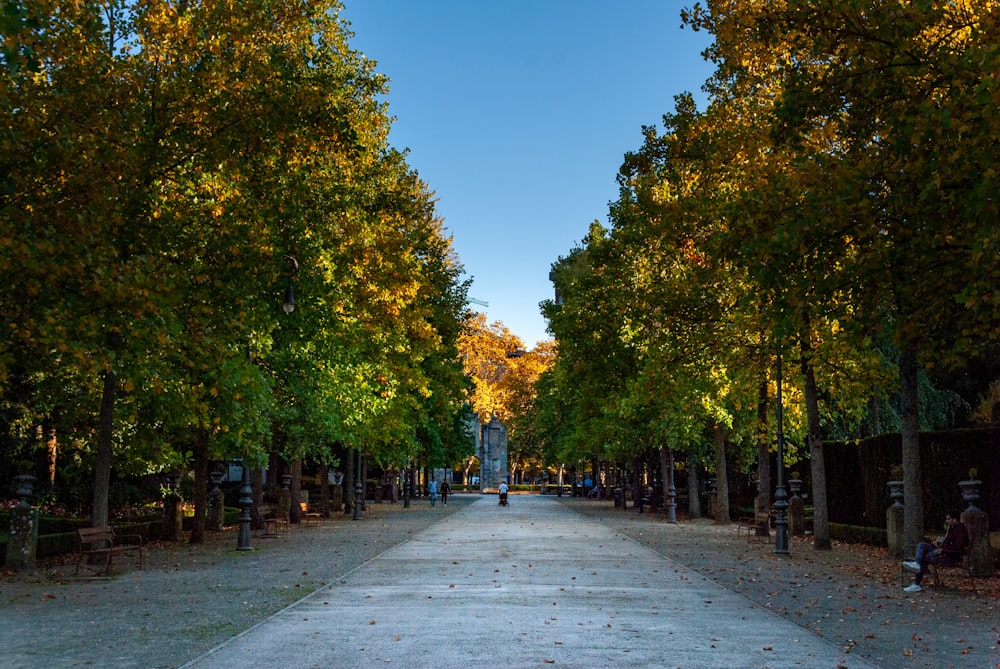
852,594
188,599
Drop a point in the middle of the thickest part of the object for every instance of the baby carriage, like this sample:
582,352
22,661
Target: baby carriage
503,496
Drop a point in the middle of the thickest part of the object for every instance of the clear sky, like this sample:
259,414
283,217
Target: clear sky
517,115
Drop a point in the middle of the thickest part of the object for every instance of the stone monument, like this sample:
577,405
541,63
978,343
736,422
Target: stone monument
491,449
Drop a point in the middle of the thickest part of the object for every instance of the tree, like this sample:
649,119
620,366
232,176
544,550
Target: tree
903,97
171,160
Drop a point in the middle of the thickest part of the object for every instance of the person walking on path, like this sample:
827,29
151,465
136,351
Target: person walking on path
432,490
948,552
445,491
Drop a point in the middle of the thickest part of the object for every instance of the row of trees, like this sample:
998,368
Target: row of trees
168,170
834,203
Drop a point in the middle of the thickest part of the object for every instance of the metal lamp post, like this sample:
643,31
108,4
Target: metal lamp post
780,495
406,487
246,501
671,492
359,491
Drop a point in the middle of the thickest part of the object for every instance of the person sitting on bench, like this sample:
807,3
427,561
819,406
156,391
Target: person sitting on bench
949,551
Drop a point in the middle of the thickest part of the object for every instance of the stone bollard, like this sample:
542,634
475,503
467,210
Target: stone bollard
976,521
216,505
284,498
796,510
173,518
895,533
22,543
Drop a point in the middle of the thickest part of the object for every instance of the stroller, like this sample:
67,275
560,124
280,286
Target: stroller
503,498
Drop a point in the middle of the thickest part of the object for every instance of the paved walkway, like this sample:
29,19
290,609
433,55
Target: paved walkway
530,585
545,582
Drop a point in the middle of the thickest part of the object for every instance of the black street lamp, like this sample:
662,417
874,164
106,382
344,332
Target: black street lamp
246,501
406,487
780,495
359,491
671,492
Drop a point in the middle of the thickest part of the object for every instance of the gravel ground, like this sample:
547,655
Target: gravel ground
852,595
189,599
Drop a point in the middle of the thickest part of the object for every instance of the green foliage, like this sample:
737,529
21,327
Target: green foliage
175,168
856,534
828,205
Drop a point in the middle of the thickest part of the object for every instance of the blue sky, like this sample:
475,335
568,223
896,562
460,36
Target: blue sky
517,115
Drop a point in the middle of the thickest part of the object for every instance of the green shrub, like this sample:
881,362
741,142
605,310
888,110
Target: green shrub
56,544
60,524
231,515
856,534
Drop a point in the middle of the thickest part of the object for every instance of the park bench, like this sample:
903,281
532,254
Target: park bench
307,516
103,541
935,568
649,498
964,565
268,521
757,525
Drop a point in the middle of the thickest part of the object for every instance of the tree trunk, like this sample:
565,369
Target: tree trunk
763,452
637,487
821,529
913,502
348,482
364,482
200,452
665,475
257,486
295,511
721,478
51,451
694,500
873,414
105,437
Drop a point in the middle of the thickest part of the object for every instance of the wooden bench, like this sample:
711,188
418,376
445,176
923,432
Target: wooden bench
268,521
935,568
103,541
963,565
307,516
759,525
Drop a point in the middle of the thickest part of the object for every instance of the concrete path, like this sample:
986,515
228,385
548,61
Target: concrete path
530,585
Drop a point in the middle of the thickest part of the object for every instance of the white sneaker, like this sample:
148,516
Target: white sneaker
912,566
914,587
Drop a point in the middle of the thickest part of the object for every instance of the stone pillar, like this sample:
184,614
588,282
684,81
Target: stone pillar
796,510
216,504
173,514
324,501
976,521
337,498
492,453
284,497
894,528
23,540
